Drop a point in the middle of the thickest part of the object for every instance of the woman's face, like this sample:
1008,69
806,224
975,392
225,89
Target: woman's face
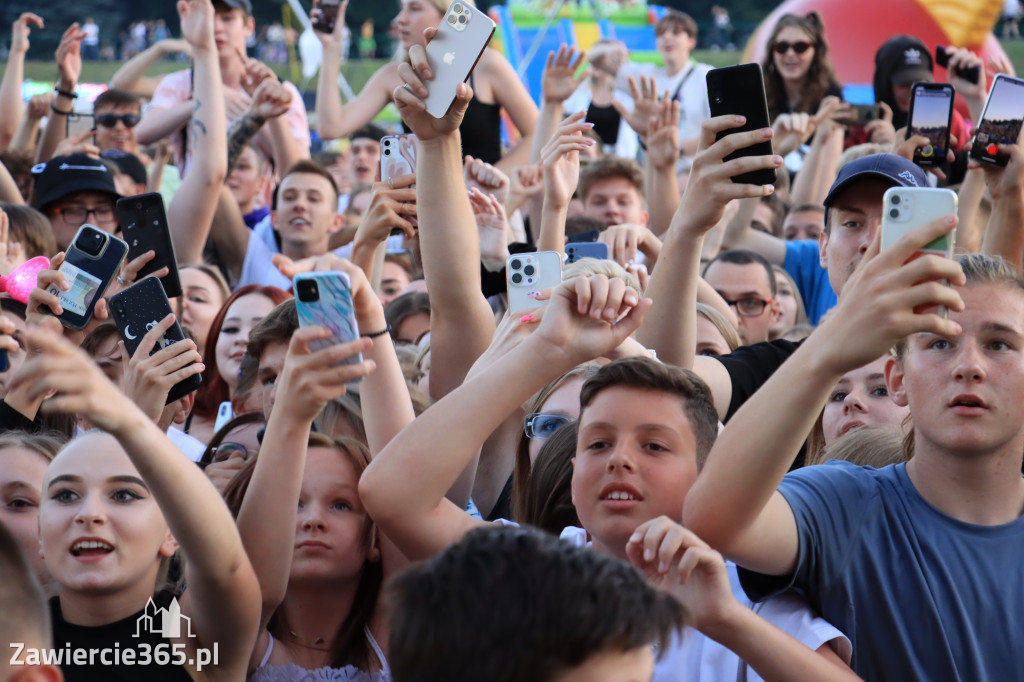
414,17
412,328
787,299
241,441
565,401
860,399
100,528
21,484
709,340
791,65
243,314
201,299
332,526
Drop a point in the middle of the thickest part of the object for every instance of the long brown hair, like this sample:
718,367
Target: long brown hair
821,76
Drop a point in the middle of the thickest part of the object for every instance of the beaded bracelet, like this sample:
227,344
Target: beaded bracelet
382,332
66,93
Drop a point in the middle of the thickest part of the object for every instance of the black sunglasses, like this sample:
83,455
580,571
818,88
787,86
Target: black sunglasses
110,120
800,46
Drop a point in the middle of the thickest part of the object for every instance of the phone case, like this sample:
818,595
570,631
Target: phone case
970,73
138,309
328,16
1001,120
740,90
573,252
860,115
76,123
224,415
527,272
144,226
909,207
453,53
325,299
90,263
397,156
931,113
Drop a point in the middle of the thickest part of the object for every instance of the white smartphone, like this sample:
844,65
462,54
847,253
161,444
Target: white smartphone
906,208
453,53
530,272
397,156
224,415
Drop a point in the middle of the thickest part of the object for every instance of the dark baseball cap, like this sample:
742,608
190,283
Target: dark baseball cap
890,168
914,61
64,175
243,5
126,163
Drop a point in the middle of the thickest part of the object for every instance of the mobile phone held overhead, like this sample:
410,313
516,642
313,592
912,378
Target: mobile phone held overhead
452,55
739,90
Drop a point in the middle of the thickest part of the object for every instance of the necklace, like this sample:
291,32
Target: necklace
317,643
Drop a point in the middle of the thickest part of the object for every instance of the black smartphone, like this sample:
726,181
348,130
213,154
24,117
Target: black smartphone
859,115
931,112
144,226
971,74
90,263
5,361
325,22
740,90
138,309
1001,120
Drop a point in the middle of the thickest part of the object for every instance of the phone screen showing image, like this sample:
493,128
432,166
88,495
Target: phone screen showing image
931,109
1001,122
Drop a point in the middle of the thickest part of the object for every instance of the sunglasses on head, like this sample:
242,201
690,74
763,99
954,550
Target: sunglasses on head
800,46
110,120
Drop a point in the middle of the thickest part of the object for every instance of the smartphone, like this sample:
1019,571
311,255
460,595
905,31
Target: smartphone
576,251
586,236
90,263
1001,120
931,112
453,53
138,309
971,74
740,90
328,16
225,413
144,226
397,156
860,115
528,272
5,361
324,299
76,123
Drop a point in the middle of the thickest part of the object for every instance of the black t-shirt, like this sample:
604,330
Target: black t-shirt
117,637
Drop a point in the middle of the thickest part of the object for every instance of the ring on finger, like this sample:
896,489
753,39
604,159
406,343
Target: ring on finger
122,280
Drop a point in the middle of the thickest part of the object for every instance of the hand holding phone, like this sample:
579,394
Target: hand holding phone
324,299
1001,121
327,15
740,90
452,55
90,264
144,226
971,74
931,113
529,273
397,156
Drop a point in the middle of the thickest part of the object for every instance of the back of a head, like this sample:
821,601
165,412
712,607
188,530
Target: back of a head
509,604
24,616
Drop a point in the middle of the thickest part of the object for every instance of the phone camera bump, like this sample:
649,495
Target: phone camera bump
92,242
308,291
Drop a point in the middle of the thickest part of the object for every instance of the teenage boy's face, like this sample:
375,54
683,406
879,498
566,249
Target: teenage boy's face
231,27
120,136
674,46
307,210
635,461
855,217
615,201
966,391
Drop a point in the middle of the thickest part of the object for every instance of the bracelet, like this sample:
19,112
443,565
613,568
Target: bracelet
54,109
65,93
382,332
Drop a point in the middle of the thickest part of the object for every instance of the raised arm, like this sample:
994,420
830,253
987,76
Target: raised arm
222,593
557,84
69,65
734,504
404,487
461,322
14,74
560,160
160,122
194,204
132,74
1004,235
819,168
662,154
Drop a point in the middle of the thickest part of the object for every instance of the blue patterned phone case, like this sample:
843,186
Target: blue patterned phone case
324,299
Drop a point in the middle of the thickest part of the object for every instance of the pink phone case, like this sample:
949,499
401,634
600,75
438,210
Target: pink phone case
397,156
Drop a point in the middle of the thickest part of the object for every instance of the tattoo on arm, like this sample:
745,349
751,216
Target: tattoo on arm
198,125
240,134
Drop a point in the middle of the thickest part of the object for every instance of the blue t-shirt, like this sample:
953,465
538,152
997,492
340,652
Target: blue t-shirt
804,266
921,595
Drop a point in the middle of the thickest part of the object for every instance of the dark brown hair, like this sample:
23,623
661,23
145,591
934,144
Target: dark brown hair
821,76
545,501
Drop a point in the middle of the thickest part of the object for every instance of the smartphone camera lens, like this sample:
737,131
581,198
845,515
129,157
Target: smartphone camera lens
517,278
387,151
451,18
894,213
516,264
529,270
462,19
895,199
308,291
457,8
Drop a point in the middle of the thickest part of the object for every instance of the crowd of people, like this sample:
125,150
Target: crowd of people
746,444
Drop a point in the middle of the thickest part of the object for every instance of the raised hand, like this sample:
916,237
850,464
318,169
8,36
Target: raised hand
69,57
493,228
645,104
81,143
39,106
256,73
881,130
626,239
148,379
392,205
415,74
560,78
961,57
21,29
560,159
197,23
270,99
485,177
663,135
332,39
364,300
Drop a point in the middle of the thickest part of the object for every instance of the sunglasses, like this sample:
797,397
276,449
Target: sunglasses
800,46
228,449
539,426
110,120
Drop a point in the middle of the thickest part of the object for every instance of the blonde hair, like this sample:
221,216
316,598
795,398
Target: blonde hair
876,447
724,327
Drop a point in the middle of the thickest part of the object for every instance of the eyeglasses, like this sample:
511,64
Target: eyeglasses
110,120
77,215
539,426
800,46
751,306
227,450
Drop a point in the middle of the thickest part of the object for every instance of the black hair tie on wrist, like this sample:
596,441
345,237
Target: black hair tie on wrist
382,332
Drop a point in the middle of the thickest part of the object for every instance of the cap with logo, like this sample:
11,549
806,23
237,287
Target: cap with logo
64,175
913,63
890,168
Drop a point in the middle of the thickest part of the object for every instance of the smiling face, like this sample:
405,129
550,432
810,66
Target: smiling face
120,136
306,215
635,461
243,314
792,66
21,483
332,536
414,17
100,528
860,399
966,391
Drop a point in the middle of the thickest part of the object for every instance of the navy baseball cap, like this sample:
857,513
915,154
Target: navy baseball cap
890,168
64,175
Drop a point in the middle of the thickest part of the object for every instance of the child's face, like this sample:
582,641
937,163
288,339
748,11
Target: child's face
100,527
331,528
635,461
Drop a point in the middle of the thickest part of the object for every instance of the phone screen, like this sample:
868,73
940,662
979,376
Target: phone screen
932,107
1001,122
